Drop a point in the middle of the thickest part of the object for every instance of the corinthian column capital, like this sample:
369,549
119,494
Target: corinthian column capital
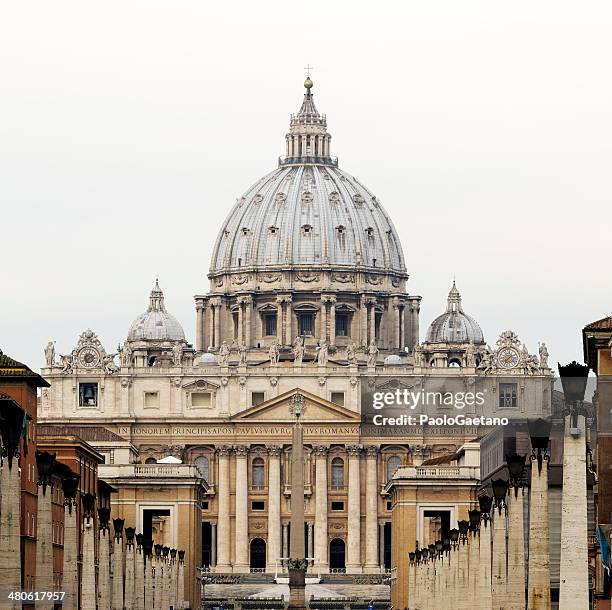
241,451
353,450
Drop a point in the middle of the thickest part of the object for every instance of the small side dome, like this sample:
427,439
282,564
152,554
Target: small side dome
454,325
206,358
156,324
393,360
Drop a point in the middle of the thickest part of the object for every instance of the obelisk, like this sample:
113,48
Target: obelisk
297,556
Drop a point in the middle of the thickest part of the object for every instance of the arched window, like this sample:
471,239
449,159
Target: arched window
392,464
150,460
202,465
337,472
337,561
454,363
257,472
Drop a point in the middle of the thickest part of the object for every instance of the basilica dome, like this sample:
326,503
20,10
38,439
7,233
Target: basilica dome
307,212
454,325
156,324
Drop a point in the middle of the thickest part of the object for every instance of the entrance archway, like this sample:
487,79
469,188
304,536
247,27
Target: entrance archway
258,554
337,559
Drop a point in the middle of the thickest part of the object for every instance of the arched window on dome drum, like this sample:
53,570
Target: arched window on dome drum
150,460
202,464
392,464
258,472
337,472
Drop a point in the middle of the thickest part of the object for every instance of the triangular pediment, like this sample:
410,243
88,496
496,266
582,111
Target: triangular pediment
316,409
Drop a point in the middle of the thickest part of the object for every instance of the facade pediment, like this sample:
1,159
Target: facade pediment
316,409
200,384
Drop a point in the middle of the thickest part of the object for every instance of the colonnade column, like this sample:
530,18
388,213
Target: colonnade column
381,545
273,551
332,321
70,578
516,551
10,523
353,564
104,590
371,531
320,527
213,544
285,551
117,594
241,563
538,592
310,549
89,593
44,541
223,545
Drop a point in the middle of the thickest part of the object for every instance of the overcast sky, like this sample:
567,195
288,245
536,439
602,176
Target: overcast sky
128,130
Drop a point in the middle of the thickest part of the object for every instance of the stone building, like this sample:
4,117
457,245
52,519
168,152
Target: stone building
308,294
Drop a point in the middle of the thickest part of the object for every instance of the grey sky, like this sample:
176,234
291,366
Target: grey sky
128,129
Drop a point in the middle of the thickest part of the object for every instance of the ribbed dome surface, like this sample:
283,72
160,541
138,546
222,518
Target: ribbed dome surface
156,324
308,214
454,326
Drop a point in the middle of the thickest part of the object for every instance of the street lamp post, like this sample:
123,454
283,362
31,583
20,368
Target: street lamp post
573,574
516,533
499,582
538,578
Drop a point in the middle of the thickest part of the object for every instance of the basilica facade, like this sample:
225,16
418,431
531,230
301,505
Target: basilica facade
308,295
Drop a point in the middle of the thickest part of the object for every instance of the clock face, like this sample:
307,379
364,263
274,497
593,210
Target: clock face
508,357
89,357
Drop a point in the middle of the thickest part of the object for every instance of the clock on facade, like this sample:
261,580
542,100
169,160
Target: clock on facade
89,357
508,357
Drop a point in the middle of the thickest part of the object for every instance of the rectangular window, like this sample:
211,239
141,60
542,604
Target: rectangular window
257,398
201,399
389,506
338,398
270,324
88,394
204,505
306,324
337,505
342,325
507,395
258,505
151,399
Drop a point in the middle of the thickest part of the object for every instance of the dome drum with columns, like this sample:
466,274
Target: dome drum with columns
312,246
